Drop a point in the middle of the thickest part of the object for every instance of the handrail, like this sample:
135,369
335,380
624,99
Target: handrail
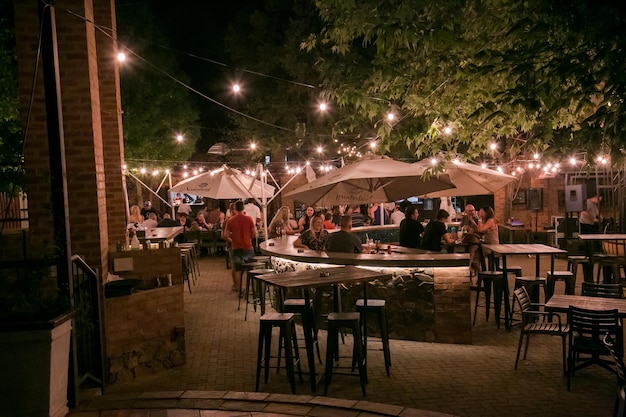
78,260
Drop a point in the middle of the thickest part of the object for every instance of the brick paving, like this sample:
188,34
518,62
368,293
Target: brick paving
462,380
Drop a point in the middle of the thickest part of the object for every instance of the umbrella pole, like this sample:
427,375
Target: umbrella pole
264,201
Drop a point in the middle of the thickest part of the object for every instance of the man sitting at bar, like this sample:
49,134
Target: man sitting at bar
435,232
344,240
411,229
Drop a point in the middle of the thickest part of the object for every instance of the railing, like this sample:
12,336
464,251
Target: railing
13,211
88,340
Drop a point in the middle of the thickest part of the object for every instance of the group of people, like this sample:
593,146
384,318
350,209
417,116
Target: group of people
148,218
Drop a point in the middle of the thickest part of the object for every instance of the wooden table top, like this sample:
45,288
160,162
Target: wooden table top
603,236
523,249
561,303
163,233
314,278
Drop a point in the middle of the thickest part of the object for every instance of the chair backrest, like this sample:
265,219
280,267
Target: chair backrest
594,324
523,299
609,342
591,289
192,236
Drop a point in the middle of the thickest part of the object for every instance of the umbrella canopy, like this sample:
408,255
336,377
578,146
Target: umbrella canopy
469,179
373,179
224,183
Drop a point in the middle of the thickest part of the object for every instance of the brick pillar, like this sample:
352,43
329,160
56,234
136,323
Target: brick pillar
111,115
85,140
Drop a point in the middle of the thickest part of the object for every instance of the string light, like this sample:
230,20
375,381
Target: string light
121,56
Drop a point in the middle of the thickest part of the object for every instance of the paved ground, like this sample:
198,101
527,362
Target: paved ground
463,380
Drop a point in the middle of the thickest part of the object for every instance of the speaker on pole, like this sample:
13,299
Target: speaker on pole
575,197
535,199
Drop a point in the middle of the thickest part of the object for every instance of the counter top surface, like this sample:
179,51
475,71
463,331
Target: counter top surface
400,256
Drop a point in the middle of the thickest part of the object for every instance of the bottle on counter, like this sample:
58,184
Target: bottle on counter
389,249
134,243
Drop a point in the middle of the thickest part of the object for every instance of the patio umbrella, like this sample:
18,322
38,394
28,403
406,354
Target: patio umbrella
228,183
373,179
224,183
469,179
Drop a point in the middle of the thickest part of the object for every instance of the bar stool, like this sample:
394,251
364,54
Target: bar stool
532,285
377,307
184,266
337,321
609,265
193,252
258,290
247,267
307,316
287,338
568,277
267,260
572,265
487,280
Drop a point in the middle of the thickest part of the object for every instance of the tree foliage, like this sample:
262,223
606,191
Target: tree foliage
156,106
535,73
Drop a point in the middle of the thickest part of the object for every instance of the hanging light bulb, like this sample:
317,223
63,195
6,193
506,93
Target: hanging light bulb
121,56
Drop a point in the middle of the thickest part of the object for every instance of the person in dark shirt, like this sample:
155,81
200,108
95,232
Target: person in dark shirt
344,240
147,209
436,231
411,229
168,221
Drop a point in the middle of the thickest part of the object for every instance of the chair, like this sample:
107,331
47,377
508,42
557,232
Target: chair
208,241
591,289
531,325
619,409
586,331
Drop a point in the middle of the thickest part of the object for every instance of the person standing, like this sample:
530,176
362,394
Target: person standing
344,240
411,229
239,231
469,225
435,232
488,226
398,215
590,218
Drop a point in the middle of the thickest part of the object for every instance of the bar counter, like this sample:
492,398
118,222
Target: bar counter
427,296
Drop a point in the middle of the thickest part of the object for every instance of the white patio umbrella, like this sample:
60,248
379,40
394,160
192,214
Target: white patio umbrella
227,183
468,178
373,179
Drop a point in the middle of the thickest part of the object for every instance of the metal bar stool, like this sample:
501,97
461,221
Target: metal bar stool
307,315
247,267
336,321
286,323
568,277
258,290
572,265
377,307
486,281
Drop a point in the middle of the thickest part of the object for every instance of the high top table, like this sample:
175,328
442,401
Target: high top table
560,303
503,250
305,280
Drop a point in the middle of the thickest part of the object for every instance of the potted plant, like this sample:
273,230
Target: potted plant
35,334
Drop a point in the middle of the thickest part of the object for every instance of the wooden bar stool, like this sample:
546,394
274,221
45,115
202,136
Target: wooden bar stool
247,267
337,321
377,307
257,288
486,281
572,265
286,323
568,277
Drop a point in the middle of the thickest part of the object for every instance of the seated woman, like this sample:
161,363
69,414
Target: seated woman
435,232
280,222
315,237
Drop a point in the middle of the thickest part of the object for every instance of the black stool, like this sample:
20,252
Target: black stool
336,321
377,307
572,265
486,280
258,290
285,322
267,260
553,277
609,265
532,285
248,266
307,315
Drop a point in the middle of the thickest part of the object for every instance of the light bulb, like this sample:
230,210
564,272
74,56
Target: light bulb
121,57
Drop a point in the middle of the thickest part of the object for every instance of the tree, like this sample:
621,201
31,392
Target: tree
537,74
157,106
11,141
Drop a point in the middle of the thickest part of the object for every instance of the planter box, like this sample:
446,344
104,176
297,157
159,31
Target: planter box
34,363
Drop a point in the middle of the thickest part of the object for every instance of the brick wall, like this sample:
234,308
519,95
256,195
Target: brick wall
146,330
453,318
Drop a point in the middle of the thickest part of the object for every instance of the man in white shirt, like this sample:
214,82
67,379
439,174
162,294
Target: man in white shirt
397,216
251,209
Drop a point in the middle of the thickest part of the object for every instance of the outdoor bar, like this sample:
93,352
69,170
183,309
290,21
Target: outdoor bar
428,294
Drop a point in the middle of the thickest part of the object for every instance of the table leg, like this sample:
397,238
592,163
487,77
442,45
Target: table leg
308,340
505,291
365,328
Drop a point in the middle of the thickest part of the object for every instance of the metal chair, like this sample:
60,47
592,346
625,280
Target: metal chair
587,329
619,409
531,324
592,289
